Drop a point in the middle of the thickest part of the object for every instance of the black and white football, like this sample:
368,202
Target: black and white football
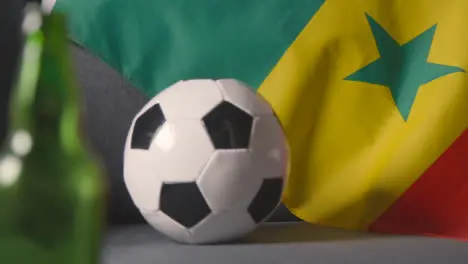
205,161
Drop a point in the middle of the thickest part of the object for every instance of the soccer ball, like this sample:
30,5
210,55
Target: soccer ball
205,161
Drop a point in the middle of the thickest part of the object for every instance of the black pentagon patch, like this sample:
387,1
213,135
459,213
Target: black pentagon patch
184,203
228,126
266,200
146,127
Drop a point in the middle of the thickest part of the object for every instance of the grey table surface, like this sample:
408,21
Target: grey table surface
288,243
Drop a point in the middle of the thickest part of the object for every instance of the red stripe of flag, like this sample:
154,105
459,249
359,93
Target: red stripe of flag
437,203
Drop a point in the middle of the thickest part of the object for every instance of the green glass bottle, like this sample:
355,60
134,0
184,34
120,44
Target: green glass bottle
51,185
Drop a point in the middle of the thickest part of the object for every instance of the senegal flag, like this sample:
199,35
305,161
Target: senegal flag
372,94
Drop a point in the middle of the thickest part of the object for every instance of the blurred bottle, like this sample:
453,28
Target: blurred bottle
51,189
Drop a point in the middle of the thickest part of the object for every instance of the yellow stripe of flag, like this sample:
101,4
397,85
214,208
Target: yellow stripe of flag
352,151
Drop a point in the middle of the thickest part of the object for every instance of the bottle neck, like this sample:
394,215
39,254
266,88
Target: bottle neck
45,102
22,94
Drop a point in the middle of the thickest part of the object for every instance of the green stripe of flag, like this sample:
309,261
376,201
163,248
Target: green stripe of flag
154,43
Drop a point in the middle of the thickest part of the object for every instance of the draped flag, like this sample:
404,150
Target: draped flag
159,42
372,94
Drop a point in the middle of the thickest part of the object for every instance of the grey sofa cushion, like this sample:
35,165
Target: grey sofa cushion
283,243
9,52
111,103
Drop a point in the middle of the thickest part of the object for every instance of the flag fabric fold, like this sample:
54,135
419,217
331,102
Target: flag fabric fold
373,96
157,43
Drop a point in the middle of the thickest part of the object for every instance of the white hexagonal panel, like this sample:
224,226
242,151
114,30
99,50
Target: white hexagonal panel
222,226
269,148
189,99
180,150
229,181
241,95
164,224
141,179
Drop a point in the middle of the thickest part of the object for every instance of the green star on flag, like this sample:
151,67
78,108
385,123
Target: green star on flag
402,68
